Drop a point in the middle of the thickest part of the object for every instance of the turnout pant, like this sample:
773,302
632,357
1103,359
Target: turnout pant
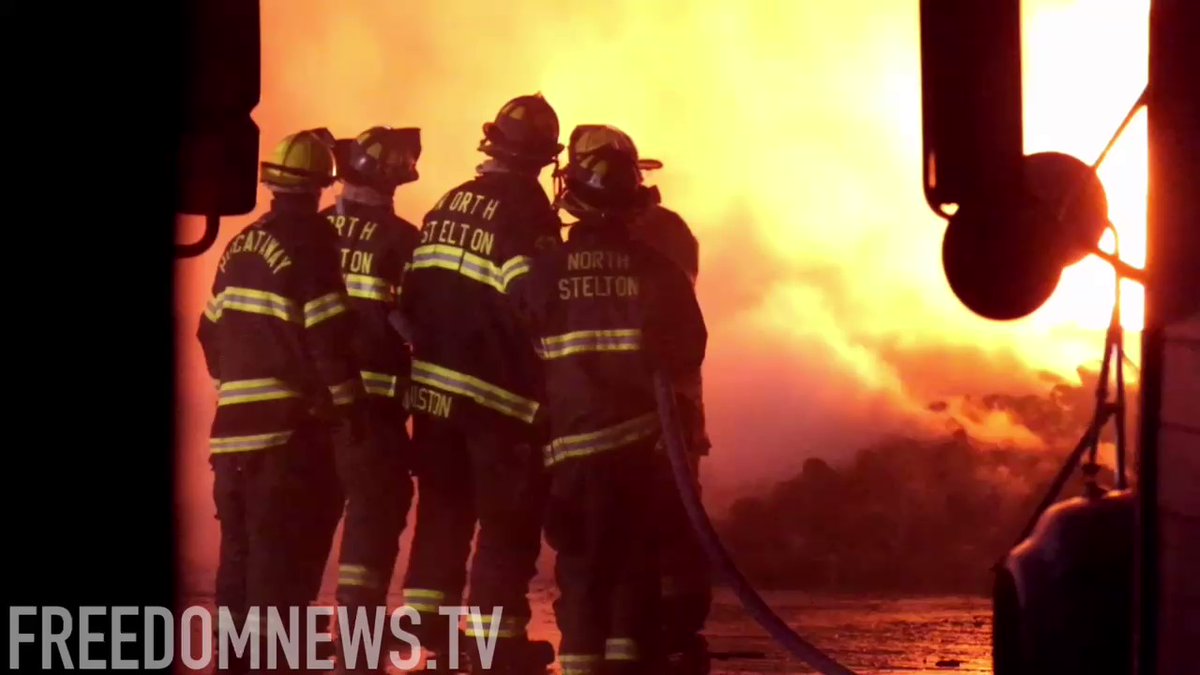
493,476
274,507
601,519
375,476
686,573
379,492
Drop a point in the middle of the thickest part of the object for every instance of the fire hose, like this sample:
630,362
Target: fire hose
718,556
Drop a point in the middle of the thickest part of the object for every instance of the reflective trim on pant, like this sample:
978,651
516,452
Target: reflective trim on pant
480,624
360,576
621,649
424,600
581,664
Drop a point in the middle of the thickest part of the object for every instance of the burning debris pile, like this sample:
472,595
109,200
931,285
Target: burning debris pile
909,514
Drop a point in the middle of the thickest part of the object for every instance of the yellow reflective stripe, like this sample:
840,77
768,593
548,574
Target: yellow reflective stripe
580,664
344,392
423,607
234,392
379,384
251,301
424,593
359,575
479,624
324,307
368,287
423,600
582,341
470,265
620,649
616,436
513,268
483,393
227,444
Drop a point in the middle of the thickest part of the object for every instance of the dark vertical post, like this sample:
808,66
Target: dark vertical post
1167,534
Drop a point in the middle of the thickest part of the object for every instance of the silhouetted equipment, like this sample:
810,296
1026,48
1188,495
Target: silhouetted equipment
971,100
1168,528
219,145
1062,598
1004,260
1016,221
1065,599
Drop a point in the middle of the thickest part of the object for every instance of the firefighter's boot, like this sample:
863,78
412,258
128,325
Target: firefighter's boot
512,656
688,656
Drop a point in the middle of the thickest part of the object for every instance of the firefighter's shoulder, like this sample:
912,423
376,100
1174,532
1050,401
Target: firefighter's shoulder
661,217
261,241
456,197
654,264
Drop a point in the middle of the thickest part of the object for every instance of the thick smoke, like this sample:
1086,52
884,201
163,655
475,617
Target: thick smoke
790,134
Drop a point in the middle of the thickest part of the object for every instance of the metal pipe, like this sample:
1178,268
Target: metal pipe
212,225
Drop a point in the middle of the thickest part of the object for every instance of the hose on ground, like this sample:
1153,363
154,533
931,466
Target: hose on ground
717,555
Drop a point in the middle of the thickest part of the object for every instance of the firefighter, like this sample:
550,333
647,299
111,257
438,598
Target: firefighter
375,247
686,576
276,340
608,311
475,393
686,582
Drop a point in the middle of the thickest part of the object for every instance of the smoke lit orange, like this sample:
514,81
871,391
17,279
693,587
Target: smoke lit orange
790,134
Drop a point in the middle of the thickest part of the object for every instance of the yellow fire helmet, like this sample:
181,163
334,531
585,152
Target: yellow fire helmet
302,161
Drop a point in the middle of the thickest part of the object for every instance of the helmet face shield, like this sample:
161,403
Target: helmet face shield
380,157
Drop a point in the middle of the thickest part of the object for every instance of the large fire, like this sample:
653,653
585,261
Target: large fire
791,137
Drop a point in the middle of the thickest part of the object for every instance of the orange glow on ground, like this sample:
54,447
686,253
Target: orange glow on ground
791,136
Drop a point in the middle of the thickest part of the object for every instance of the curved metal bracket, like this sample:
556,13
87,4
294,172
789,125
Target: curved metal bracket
212,225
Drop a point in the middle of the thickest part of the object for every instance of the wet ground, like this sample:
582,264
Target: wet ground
867,634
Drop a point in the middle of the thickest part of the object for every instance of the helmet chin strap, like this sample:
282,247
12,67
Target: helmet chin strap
363,194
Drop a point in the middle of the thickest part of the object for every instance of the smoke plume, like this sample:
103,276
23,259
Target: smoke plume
791,138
